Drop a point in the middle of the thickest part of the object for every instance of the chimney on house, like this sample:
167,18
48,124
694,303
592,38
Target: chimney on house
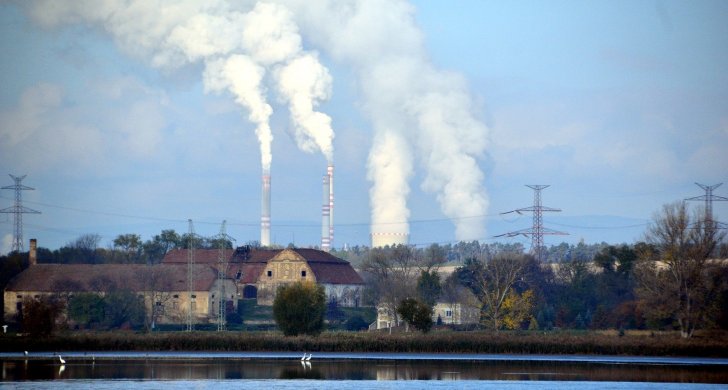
33,253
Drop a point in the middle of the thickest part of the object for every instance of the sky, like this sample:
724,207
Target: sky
133,117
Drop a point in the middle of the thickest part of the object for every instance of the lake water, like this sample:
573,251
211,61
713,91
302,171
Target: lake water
358,371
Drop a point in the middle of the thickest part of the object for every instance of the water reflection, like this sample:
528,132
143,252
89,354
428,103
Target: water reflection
220,369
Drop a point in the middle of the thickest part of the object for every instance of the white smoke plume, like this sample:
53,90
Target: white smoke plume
235,46
390,162
272,38
242,77
407,99
304,82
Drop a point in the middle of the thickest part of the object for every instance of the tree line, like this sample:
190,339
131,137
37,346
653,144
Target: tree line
677,278
673,279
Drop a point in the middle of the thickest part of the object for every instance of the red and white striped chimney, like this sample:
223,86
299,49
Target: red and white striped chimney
330,174
265,211
325,216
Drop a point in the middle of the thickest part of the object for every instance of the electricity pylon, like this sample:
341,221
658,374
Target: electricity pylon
191,276
18,210
222,266
537,231
709,198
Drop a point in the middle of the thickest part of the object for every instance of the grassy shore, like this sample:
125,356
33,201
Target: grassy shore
564,342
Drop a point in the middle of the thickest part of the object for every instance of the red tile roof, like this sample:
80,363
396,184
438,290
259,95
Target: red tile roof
105,277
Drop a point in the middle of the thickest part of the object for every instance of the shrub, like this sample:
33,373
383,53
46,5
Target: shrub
416,313
299,308
39,315
356,323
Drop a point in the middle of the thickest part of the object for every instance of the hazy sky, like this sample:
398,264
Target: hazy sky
126,120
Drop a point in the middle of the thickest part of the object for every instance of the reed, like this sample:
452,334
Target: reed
562,342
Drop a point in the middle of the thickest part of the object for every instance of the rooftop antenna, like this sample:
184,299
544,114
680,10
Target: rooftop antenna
191,275
709,198
18,210
537,231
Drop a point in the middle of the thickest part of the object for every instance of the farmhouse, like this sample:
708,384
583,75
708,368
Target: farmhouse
169,293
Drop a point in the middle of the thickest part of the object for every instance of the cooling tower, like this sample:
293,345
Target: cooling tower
265,212
383,239
325,216
330,172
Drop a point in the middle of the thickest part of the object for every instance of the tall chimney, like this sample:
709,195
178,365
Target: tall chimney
330,173
265,211
325,216
33,253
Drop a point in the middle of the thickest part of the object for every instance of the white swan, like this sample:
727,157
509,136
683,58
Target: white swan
304,356
309,357
61,359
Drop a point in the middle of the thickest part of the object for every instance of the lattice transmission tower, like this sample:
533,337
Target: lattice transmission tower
18,210
191,276
222,266
537,231
709,198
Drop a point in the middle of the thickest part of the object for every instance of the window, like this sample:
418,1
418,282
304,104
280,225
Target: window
448,313
238,275
270,274
175,296
20,297
303,274
193,297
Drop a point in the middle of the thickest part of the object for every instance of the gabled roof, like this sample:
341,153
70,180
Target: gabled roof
250,263
335,273
107,277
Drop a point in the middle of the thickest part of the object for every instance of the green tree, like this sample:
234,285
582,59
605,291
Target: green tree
123,308
86,309
299,308
40,315
160,244
416,313
130,246
428,287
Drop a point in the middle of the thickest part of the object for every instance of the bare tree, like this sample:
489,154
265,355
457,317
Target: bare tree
672,275
495,280
157,286
393,275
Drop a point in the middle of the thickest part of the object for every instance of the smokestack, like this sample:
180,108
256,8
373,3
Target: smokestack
330,172
33,253
325,216
265,212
